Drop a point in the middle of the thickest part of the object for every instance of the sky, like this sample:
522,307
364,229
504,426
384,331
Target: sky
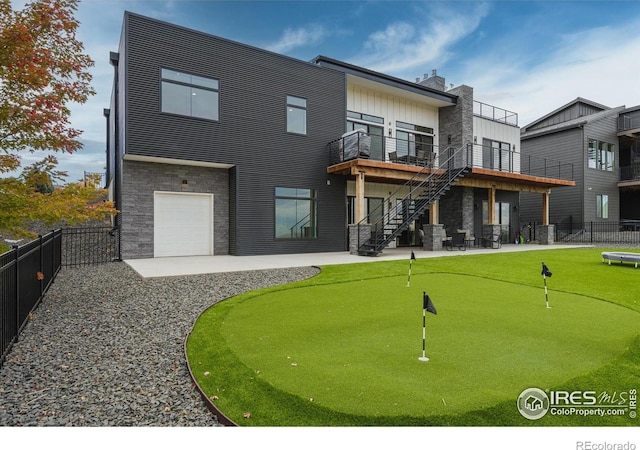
529,57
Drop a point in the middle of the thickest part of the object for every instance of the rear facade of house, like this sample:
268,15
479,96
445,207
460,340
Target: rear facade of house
216,147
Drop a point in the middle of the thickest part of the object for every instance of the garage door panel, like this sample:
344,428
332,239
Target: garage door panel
183,224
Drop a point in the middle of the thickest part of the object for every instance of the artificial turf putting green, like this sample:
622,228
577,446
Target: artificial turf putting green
354,347
342,348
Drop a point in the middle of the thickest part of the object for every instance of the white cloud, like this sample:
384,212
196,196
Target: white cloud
599,64
300,37
404,46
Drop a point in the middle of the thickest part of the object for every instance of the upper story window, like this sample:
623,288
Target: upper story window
190,95
414,140
601,155
296,115
497,155
365,117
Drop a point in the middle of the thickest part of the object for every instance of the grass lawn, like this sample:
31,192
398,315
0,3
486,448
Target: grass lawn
342,348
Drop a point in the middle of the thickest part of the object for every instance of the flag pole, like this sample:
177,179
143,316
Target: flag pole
424,336
413,256
545,271
427,305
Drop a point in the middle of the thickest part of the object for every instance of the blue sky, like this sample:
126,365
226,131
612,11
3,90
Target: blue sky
527,57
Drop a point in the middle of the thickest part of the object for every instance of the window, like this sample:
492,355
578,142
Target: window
601,155
296,213
496,155
417,142
602,206
189,95
296,115
365,117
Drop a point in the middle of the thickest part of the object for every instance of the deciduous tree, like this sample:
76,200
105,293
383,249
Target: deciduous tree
43,69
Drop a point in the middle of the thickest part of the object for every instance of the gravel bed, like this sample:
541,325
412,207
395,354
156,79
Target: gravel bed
106,348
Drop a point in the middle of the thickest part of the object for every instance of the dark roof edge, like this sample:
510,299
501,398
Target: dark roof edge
389,80
572,102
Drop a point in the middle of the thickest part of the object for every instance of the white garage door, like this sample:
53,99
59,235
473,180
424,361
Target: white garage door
182,224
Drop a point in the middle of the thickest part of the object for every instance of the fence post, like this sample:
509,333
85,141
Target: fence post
591,232
16,247
41,278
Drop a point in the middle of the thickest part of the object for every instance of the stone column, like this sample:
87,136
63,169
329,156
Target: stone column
433,237
354,242
546,234
490,232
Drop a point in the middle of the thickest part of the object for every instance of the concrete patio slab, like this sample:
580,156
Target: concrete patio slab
194,265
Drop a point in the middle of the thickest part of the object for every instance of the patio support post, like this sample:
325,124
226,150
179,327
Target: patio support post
492,205
359,197
434,216
545,208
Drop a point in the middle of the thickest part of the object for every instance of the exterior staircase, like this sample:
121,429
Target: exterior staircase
426,187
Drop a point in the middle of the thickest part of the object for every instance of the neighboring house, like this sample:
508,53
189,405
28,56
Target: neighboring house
216,147
602,144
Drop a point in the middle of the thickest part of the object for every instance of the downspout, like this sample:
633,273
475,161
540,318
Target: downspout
114,58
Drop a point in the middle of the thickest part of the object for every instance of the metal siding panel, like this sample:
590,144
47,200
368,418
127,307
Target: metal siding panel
251,132
599,181
565,201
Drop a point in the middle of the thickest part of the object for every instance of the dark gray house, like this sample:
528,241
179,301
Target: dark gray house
216,147
603,146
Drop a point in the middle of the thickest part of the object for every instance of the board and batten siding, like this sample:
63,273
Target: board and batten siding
365,100
251,131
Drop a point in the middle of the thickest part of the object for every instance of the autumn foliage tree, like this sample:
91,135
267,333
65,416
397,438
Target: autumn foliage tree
42,70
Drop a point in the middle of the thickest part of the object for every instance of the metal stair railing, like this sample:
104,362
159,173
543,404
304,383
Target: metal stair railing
425,187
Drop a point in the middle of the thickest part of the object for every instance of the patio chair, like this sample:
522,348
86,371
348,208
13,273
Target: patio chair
393,157
494,241
457,240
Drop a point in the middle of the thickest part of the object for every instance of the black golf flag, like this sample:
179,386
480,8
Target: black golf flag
413,258
545,271
427,304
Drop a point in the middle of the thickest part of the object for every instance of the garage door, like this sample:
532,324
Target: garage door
182,224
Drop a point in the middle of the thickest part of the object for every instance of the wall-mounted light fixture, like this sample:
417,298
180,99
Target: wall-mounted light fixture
449,139
475,139
185,184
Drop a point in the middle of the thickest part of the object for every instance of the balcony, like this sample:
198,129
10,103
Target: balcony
629,125
412,156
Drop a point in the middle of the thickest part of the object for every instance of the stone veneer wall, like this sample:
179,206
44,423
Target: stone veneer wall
142,179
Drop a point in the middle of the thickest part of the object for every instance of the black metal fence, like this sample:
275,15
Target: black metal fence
90,245
625,233
26,272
